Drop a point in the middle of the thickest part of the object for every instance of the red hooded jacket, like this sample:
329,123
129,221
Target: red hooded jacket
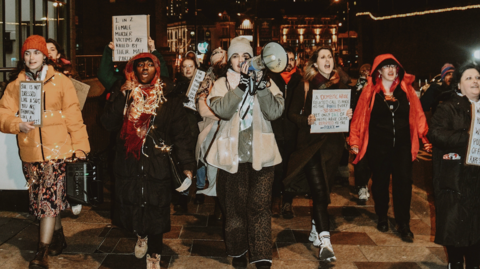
361,118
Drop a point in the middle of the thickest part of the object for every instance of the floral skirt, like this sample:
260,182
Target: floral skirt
47,191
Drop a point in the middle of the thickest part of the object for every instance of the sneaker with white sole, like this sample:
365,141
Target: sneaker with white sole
141,247
314,235
76,209
363,194
326,250
153,263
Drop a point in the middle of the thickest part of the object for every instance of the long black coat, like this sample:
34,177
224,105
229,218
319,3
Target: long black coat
456,185
330,144
142,187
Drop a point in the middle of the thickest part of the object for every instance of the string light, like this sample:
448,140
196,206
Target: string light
418,13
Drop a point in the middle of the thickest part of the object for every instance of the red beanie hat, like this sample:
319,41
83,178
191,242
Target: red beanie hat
35,42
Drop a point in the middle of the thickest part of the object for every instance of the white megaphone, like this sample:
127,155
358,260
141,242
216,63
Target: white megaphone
273,57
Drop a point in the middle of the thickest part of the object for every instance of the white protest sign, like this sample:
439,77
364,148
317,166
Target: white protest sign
193,88
473,152
130,36
31,102
330,110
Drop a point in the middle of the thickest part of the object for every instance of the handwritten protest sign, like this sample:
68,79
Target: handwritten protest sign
330,108
31,102
130,36
193,88
473,152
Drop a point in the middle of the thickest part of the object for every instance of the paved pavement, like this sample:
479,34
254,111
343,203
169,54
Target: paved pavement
196,239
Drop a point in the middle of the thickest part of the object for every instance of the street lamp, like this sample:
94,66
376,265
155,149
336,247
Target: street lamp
348,24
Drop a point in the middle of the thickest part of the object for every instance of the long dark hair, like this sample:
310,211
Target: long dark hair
457,75
21,66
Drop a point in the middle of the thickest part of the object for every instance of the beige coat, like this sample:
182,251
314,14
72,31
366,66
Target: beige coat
268,106
63,130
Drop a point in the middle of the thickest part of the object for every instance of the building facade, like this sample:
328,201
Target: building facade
22,18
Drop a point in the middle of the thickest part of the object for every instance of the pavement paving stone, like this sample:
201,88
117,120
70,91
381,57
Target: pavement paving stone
387,265
190,220
205,233
117,261
285,235
398,254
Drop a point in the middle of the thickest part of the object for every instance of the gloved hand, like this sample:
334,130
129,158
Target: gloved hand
428,147
244,81
262,85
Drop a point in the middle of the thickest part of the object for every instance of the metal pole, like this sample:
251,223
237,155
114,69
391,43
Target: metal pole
348,28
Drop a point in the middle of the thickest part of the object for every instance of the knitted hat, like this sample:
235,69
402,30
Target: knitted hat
35,42
240,45
447,68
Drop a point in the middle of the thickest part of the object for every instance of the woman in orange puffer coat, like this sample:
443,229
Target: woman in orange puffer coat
43,149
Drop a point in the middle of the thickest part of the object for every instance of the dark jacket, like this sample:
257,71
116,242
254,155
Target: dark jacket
435,94
330,144
283,127
180,89
142,187
456,185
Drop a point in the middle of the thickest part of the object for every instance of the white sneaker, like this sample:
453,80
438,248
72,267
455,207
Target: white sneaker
76,209
363,194
314,235
326,250
141,247
153,263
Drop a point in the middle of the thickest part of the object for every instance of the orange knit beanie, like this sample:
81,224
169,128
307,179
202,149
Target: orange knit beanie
35,42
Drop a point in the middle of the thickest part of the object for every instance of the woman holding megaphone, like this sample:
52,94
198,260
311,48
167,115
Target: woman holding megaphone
245,152
319,154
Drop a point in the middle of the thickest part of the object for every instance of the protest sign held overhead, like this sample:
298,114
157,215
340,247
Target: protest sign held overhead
31,102
130,36
330,110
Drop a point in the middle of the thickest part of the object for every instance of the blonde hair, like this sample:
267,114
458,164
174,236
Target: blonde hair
311,71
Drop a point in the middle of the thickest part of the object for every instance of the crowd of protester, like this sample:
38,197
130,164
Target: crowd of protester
247,143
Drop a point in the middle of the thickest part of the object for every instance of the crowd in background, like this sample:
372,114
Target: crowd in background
249,144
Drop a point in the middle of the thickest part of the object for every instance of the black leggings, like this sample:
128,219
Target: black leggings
470,253
319,192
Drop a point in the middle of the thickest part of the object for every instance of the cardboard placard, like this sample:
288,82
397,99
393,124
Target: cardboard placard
473,152
82,91
130,36
330,110
31,102
193,88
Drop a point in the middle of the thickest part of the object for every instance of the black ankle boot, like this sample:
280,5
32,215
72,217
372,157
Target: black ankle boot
405,233
382,224
58,243
41,258
263,265
455,265
240,262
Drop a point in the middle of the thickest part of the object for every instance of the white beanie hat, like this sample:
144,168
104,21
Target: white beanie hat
239,45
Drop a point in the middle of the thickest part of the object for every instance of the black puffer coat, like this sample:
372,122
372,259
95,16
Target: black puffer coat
456,185
142,187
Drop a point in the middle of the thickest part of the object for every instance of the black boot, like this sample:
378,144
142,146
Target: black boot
240,262
455,265
58,243
263,265
405,233
218,211
382,224
41,258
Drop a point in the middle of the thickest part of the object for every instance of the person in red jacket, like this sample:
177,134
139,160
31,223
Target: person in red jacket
386,127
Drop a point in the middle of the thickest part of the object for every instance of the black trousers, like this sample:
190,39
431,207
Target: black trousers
155,243
286,148
362,173
470,254
386,160
319,192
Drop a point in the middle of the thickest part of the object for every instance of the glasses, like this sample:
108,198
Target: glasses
389,66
